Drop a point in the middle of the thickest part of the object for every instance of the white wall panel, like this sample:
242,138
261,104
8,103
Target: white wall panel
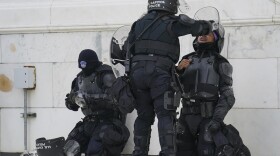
253,52
277,3
0,50
255,83
12,139
254,41
237,9
63,75
41,96
9,95
24,14
64,13
47,47
278,82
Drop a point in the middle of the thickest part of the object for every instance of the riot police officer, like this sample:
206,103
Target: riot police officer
102,131
153,50
207,80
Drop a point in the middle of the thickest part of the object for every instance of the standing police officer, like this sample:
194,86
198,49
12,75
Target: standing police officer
207,80
153,51
102,132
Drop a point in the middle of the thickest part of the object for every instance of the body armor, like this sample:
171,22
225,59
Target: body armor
201,79
157,40
94,94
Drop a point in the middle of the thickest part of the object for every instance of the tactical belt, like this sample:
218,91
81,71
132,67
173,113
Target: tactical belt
206,109
156,45
164,63
102,115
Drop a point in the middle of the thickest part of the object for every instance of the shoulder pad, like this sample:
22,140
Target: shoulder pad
221,58
104,67
225,69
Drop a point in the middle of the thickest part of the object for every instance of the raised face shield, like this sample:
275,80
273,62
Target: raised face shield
118,50
212,14
209,14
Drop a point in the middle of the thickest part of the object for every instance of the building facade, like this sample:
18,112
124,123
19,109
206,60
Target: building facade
49,34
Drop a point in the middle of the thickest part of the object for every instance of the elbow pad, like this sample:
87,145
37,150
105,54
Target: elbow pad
225,70
229,96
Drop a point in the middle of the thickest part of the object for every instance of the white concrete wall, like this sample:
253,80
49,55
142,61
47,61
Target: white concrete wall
49,34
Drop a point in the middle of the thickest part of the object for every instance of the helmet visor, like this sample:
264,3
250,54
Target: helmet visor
209,14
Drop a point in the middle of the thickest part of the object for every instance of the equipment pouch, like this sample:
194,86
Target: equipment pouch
171,100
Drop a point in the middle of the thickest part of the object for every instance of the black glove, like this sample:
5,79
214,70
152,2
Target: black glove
206,27
70,104
214,126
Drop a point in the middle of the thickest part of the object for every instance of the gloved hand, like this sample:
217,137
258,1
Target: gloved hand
214,126
70,104
206,27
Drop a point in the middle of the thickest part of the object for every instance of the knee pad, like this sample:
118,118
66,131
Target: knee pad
71,148
94,147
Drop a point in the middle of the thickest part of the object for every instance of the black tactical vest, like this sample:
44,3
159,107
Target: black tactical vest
91,88
158,39
201,79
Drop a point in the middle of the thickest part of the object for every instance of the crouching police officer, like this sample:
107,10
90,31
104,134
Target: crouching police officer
102,131
153,51
207,80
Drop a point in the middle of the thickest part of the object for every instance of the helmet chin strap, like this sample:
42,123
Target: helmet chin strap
206,46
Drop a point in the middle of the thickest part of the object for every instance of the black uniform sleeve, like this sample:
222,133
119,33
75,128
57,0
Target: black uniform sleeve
185,25
227,99
130,40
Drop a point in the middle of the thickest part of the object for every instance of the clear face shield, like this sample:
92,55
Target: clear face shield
117,51
209,14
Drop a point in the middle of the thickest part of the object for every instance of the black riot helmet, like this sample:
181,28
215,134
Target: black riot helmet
219,34
88,61
165,5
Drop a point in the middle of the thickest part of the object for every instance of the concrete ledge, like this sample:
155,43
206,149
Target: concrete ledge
9,154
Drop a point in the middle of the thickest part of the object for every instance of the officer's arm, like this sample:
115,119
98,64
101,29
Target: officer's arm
129,44
185,25
227,99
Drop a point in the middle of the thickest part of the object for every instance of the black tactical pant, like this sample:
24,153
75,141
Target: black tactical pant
88,134
149,84
194,139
